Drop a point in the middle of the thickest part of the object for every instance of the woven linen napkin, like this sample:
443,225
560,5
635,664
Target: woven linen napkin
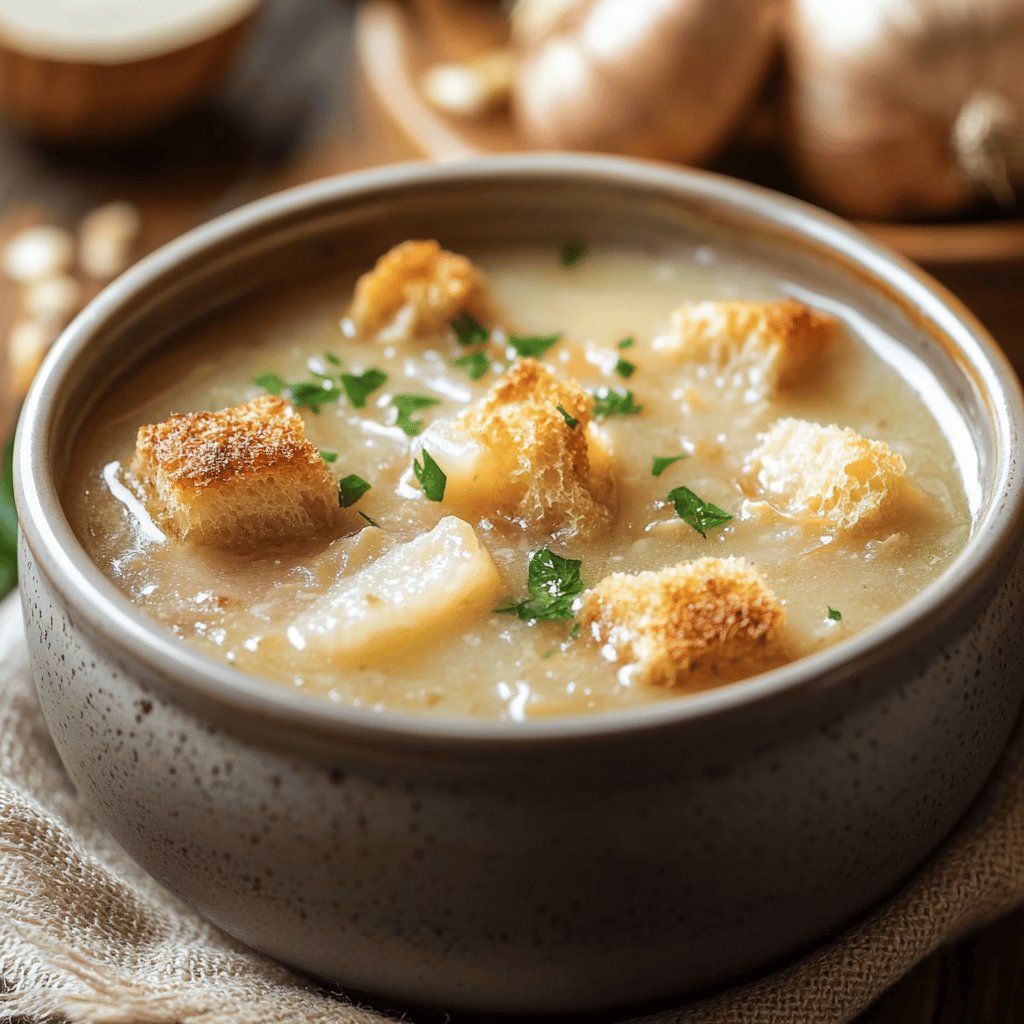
86,935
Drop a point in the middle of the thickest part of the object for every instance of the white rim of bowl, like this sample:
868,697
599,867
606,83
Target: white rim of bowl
110,613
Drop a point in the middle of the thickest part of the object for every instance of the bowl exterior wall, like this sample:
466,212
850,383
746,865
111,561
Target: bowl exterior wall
562,877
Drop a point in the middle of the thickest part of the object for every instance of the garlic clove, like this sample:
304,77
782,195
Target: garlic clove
27,344
37,253
53,299
107,238
472,88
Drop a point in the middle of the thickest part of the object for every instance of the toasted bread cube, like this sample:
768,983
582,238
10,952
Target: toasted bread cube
512,455
756,347
238,478
669,624
407,596
807,469
417,289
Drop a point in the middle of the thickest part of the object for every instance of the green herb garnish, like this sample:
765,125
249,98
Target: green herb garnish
625,369
350,489
700,514
331,358
572,252
469,330
270,382
574,633
368,519
627,342
533,345
359,386
476,363
8,522
313,394
328,457
571,422
615,402
835,614
407,404
430,476
554,583
661,462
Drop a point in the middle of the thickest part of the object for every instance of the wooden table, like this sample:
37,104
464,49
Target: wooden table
294,110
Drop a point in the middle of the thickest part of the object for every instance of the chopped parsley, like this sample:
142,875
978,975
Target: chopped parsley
554,584
572,252
430,476
700,514
469,330
331,358
624,368
627,342
313,394
476,363
835,614
359,386
328,457
367,518
271,383
350,489
615,402
407,404
574,633
533,345
570,421
661,462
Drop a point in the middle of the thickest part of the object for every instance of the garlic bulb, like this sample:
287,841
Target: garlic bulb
655,78
907,108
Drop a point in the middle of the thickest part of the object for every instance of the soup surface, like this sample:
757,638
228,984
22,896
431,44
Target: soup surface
257,609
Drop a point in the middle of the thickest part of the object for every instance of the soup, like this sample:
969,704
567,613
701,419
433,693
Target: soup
559,482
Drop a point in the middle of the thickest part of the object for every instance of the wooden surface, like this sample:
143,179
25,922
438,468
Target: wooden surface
294,110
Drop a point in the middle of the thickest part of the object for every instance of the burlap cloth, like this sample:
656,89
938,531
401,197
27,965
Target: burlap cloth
85,935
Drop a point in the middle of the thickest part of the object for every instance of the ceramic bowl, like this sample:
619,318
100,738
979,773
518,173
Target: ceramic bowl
561,865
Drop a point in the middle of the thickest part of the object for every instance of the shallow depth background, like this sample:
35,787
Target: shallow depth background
294,108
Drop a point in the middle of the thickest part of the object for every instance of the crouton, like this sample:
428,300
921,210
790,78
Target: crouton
417,289
828,472
238,478
514,455
406,596
756,347
695,616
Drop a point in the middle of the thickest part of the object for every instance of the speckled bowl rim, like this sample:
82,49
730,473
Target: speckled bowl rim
97,601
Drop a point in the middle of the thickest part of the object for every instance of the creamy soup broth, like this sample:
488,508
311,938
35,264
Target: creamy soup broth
237,608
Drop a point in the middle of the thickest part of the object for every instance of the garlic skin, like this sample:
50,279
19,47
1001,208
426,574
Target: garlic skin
665,79
901,109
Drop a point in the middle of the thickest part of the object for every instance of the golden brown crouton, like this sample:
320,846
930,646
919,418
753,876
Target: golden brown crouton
756,347
238,478
704,614
416,289
808,469
514,455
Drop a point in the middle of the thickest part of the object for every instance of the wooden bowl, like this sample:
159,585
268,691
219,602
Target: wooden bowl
59,95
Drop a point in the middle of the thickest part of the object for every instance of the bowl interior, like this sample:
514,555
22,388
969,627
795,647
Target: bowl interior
344,224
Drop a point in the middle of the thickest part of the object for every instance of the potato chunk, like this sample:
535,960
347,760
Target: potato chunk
416,289
667,625
513,455
831,472
406,596
754,347
238,478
